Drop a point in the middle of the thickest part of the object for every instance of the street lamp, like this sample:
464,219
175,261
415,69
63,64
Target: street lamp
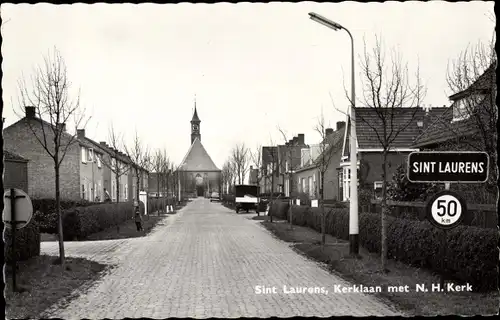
353,212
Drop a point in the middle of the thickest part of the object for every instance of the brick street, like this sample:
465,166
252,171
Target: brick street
206,262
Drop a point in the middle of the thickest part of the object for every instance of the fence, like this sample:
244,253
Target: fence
483,215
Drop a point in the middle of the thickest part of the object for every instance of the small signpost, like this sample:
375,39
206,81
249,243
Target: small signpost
17,213
446,209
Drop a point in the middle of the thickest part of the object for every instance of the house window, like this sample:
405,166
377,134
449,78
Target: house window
113,190
90,154
341,185
311,190
314,186
304,190
377,186
126,192
99,191
83,191
113,163
286,166
99,163
463,108
84,155
347,182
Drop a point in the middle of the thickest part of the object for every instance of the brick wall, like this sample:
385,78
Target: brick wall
20,139
15,175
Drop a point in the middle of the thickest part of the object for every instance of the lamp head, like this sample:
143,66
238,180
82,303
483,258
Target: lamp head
324,21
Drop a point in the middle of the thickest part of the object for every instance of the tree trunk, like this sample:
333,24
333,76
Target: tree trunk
272,195
383,215
323,217
117,183
158,193
59,213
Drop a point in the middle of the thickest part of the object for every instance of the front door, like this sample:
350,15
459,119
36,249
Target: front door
200,191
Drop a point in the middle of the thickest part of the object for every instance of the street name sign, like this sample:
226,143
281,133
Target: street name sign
22,206
448,167
446,209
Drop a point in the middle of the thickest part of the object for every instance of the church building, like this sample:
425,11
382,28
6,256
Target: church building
198,174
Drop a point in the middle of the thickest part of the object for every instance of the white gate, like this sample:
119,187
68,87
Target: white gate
143,196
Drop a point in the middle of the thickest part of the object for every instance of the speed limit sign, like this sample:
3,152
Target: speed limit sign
446,209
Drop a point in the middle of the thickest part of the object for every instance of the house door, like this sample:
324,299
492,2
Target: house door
200,191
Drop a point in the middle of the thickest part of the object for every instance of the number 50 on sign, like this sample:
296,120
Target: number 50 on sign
446,209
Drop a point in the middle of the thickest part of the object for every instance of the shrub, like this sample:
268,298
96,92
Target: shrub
471,253
45,212
27,242
401,189
79,222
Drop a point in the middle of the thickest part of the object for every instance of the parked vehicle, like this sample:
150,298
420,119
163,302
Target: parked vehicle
247,197
215,197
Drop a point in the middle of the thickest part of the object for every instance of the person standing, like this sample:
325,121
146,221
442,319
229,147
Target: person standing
138,219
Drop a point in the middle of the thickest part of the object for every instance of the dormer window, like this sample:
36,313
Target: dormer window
463,108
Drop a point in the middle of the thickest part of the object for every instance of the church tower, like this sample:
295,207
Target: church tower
195,125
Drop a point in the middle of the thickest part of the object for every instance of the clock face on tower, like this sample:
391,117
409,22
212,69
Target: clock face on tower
195,127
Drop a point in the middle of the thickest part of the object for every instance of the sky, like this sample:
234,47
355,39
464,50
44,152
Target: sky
252,67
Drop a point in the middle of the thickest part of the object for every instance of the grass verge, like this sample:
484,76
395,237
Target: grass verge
366,271
46,283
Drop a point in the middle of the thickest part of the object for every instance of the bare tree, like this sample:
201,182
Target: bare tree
164,175
139,155
473,74
389,93
227,175
272,153
256,157
289,169
327,148
239,157
49,95
115,161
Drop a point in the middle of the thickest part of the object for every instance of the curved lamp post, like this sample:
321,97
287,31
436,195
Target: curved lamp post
353,212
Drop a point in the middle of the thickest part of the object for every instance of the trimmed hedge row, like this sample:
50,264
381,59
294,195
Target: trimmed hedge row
44,212
79,222
27,242
471,253
155,204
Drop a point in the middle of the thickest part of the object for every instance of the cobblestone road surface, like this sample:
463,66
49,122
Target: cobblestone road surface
206,262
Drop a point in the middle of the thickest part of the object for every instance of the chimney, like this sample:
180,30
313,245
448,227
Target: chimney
328,131
294,141
30,112
340,125
80,133
103,143
301,139
251,168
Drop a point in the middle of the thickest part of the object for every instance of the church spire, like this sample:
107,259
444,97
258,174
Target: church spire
195,114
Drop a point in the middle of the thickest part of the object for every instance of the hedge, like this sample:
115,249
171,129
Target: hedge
27,242
45,212
154,204
471,253
79,222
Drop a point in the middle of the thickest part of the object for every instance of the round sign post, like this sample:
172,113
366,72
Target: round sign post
445,210
17,213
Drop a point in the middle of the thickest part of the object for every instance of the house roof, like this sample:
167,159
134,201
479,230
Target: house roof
405,121
9,155
198,159
441,128
482,83
334,140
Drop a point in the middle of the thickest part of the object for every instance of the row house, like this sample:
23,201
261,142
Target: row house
268,183
309,173
409,122
83,171
289,156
